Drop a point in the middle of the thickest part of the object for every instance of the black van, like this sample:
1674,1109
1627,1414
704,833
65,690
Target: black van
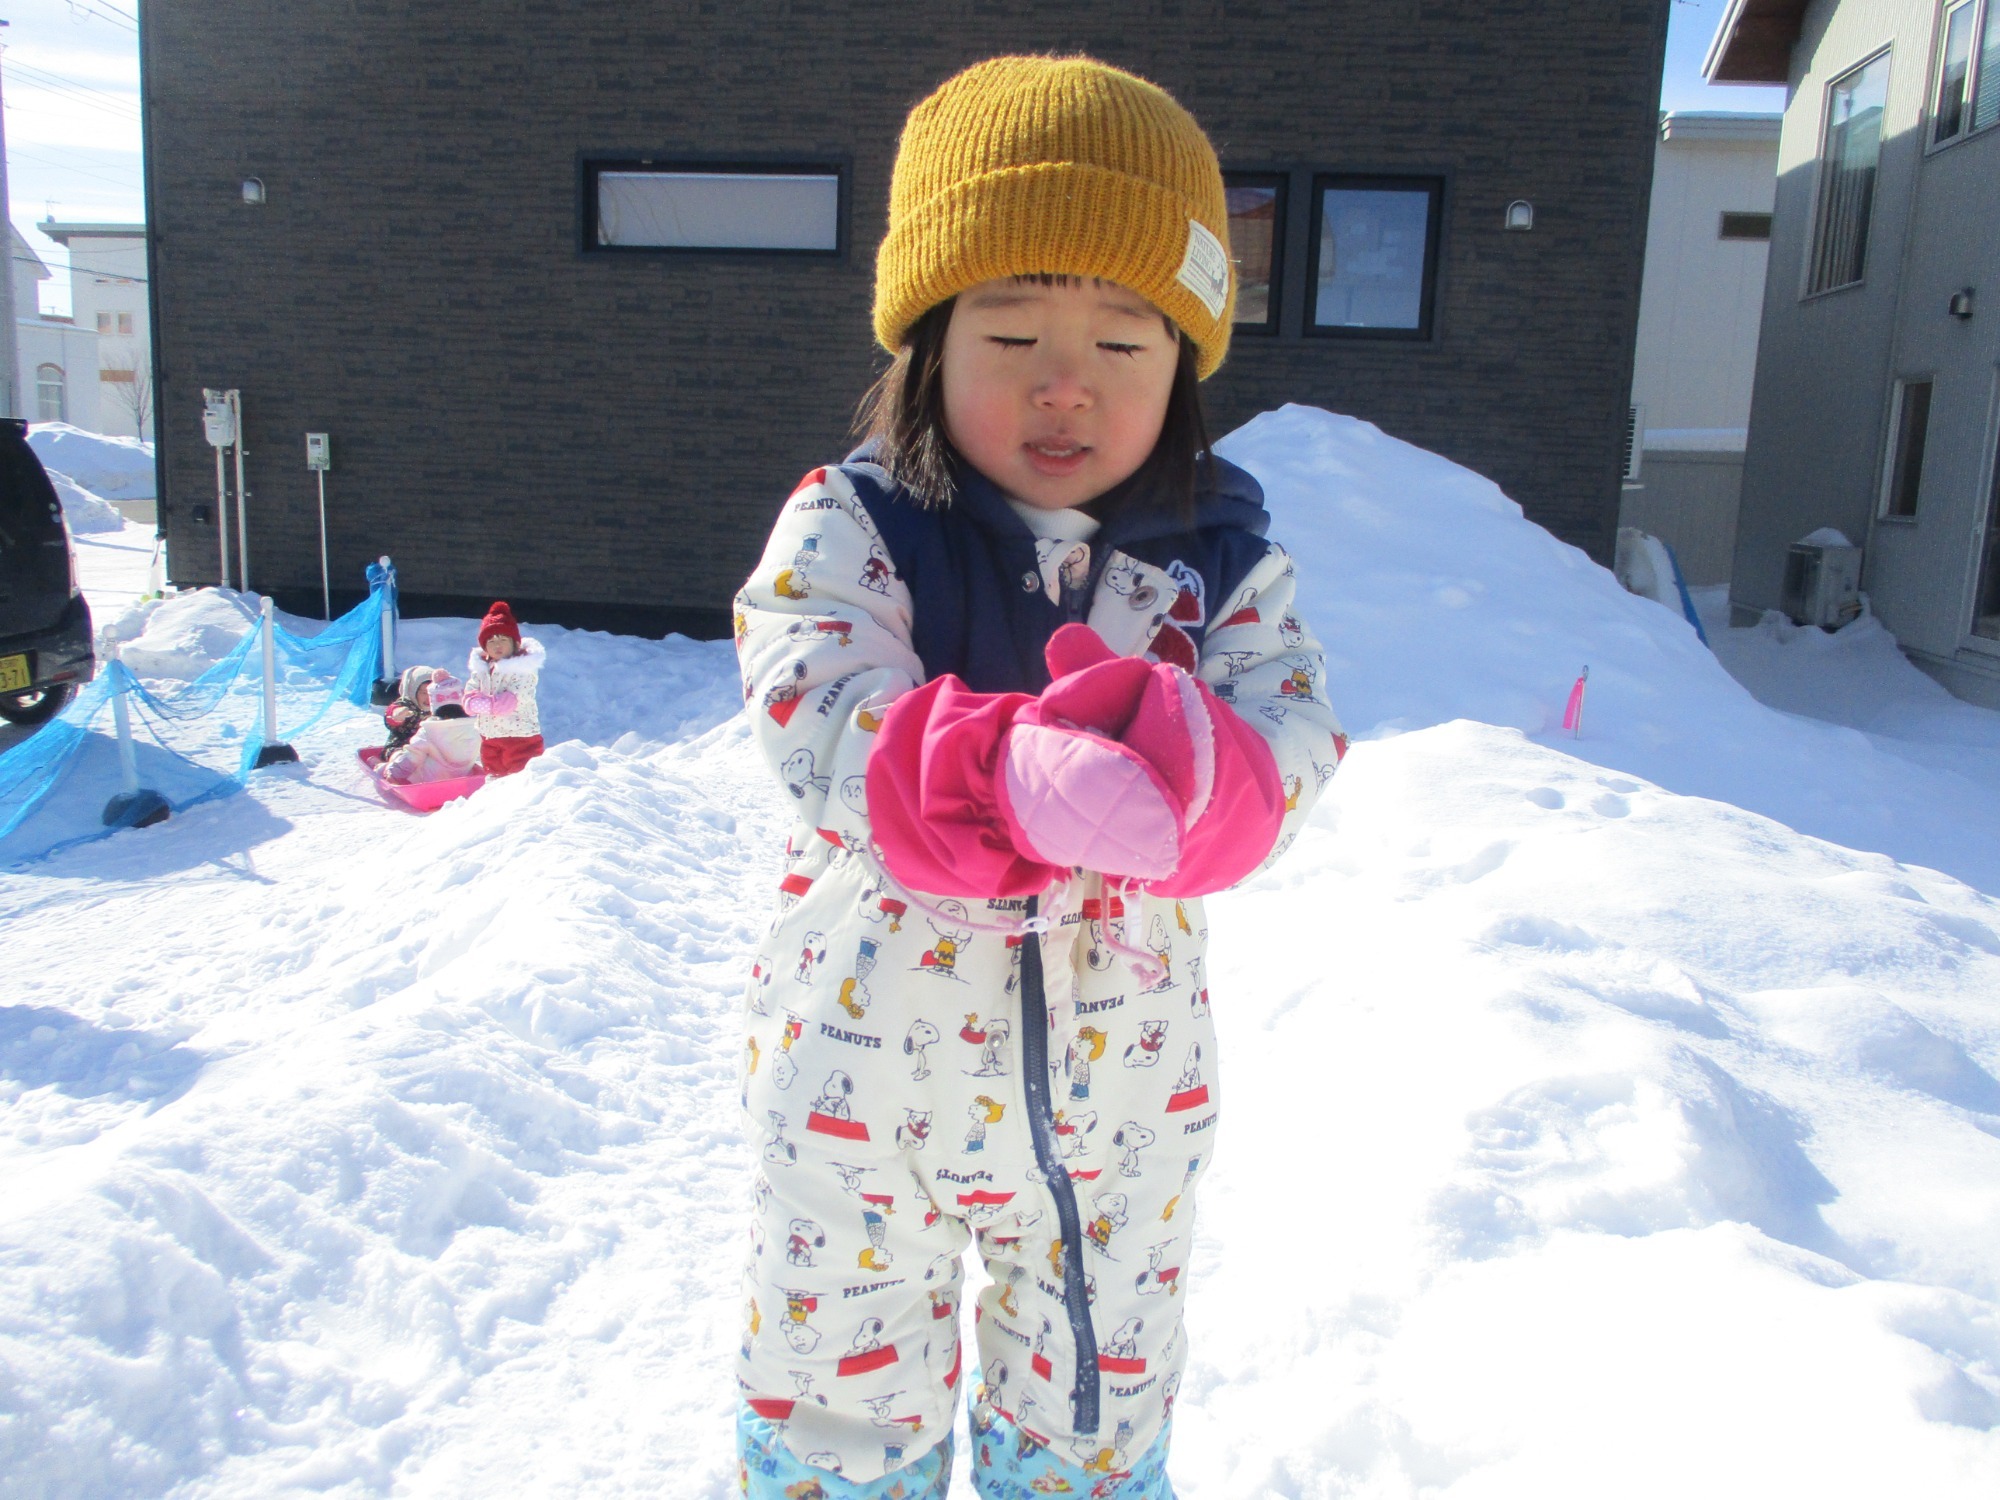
45,636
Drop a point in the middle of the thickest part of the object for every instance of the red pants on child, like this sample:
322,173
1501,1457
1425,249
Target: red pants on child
503,757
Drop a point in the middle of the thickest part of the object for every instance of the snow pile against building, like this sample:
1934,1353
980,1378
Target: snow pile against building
1585,1128
114,468
84,512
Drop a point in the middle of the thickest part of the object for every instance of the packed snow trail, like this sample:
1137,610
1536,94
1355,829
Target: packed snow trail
1585,1133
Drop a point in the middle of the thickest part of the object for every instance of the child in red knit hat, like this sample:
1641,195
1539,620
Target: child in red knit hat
500,678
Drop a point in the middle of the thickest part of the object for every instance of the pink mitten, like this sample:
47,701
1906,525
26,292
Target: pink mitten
479,704
1071,797
504,702
931,794
1136,769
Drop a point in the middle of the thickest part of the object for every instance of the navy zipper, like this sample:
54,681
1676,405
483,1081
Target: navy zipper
1041,1129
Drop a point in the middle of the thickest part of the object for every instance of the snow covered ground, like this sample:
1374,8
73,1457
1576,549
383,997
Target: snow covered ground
1606,1116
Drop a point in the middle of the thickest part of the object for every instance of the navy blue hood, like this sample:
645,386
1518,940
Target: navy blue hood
980,612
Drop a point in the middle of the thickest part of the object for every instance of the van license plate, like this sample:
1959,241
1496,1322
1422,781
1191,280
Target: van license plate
14,676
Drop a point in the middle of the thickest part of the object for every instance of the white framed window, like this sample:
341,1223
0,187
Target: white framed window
1967,96
104,322
51,397
789,209
124,325
1985,623
1850,151
1904,471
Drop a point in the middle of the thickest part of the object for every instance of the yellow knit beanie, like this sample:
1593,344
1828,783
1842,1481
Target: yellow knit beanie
1025,165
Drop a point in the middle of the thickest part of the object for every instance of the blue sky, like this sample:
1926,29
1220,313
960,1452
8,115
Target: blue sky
1689,31
72,108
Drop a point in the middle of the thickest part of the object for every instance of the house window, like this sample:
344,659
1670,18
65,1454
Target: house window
104,322
1374,256
1954,73
792,209
1906,458
1745,227
1986,78
1986,596
125,325
1256,241
50,397
1849,151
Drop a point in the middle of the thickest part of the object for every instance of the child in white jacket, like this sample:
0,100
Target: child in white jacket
446,746
500,680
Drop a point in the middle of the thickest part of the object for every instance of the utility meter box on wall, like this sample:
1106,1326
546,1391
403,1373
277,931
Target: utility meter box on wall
218,422
1822,582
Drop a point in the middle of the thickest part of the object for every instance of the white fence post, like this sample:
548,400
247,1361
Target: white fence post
387,685
273,753
136,806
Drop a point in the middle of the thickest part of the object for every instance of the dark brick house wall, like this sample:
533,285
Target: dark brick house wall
512,417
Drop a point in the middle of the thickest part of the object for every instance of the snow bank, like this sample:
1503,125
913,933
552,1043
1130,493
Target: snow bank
117,468
183,636
1437,601
1586,1132
1633,1144
84,512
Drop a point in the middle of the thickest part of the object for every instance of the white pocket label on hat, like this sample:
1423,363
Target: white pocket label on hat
1205,268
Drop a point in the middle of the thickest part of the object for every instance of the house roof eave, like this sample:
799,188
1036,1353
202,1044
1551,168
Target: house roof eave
1754,42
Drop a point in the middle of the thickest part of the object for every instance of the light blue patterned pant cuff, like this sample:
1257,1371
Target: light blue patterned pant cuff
1007,1464
770,1472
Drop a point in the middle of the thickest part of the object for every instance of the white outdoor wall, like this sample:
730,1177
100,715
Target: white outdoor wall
107,274
1696,357
1703,295
57,341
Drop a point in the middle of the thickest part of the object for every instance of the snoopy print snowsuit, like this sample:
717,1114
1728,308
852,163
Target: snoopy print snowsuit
923,1071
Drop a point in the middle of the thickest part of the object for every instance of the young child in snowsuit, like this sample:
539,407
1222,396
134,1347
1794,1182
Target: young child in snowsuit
1033,682
446,745
411,707
500,680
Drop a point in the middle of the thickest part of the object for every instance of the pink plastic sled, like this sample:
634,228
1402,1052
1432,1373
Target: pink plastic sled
423,796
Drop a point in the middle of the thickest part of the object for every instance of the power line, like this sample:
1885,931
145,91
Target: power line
104,10
82,93
14,151
36,260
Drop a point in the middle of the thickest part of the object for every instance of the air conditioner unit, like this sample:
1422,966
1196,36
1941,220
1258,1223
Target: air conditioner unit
1822,583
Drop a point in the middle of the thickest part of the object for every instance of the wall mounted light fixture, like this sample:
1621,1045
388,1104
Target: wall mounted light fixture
253,190
1960,305
1520,214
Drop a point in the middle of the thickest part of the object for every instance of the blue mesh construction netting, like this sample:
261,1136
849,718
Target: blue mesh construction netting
192,742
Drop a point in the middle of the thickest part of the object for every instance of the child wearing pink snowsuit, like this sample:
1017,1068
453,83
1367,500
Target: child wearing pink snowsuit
1032,681
446,745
